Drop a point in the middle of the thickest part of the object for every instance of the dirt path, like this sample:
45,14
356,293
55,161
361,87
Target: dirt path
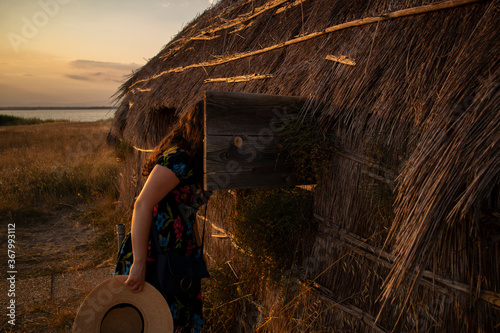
56,267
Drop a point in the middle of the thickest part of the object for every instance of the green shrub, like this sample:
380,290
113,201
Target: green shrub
222,300
271,223
6,120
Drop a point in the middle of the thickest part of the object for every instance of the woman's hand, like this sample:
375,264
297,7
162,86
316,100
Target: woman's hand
136,277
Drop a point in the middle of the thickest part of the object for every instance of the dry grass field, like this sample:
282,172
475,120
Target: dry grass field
58,186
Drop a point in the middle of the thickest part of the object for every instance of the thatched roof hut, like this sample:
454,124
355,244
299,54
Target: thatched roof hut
410,91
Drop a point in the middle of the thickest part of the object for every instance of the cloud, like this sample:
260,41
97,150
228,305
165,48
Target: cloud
91,70
92,64
77,77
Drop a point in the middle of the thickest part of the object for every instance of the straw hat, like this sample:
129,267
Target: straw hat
112,308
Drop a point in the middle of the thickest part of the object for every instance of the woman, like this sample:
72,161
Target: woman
170,199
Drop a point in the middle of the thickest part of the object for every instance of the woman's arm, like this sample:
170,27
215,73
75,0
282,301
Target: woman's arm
160,182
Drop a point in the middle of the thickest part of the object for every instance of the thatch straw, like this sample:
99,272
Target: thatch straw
354,243
355,23
463,143
348,308
416,175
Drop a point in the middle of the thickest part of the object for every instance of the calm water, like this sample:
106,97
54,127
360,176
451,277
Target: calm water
63,114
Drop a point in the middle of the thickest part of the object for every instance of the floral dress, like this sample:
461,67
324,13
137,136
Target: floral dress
174,217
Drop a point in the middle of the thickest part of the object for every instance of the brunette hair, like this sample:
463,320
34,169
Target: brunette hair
186,133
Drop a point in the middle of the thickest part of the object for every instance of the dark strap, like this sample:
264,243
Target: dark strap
156,238
203,236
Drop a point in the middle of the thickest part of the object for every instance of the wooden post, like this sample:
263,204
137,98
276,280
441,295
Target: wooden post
241,148
120,228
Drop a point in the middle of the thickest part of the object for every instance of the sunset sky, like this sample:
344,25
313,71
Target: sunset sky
78,52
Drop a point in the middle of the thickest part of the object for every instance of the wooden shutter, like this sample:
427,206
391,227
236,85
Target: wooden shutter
241,142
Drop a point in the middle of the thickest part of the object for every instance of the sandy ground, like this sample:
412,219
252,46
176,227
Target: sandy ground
55,270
